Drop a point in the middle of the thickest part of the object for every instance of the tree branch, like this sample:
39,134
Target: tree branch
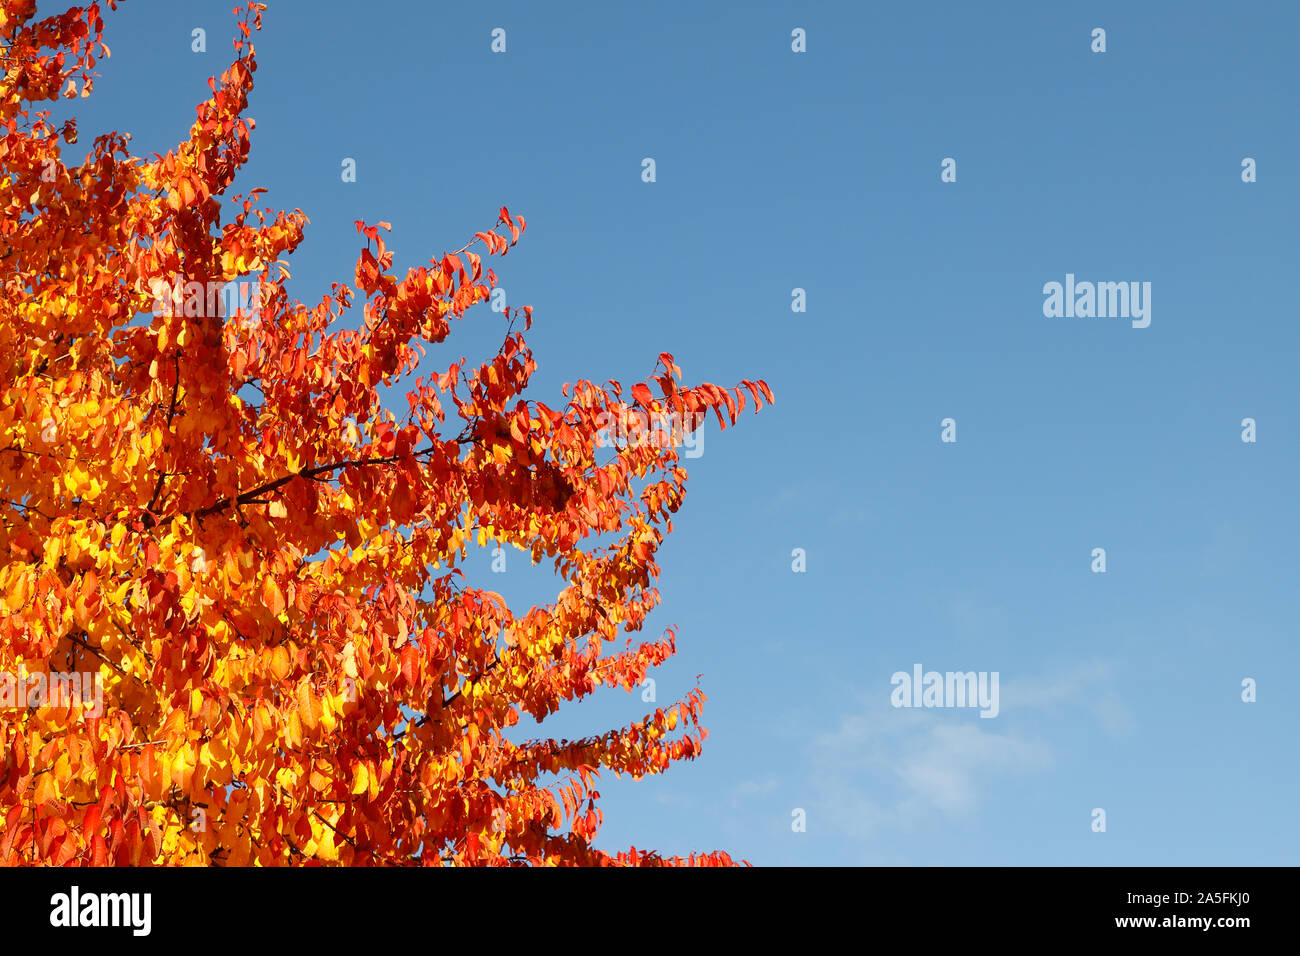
252,496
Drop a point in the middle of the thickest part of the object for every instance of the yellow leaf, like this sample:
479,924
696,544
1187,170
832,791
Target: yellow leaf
175,724
219,752
45,789
327,720
280,661
19,591
231,569
306,711
325,848
178,768
259,723
272,596
360,779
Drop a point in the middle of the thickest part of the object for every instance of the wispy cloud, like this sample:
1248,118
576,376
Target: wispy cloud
747,789
884,767
1085,685
887,767
1046,691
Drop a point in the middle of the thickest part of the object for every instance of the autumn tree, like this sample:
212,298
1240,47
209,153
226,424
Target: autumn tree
209,513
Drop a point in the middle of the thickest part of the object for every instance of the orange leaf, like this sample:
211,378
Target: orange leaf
272,596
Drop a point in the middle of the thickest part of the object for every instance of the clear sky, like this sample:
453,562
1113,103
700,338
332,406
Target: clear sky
821,170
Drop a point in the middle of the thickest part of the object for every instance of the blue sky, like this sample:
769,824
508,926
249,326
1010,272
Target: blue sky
820,170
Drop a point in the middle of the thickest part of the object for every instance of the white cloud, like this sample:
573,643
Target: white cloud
1045,691
946,769
1114,716
753,788
914,762
1077,685
895,768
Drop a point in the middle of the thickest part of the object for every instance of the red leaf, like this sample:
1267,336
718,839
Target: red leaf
410,663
